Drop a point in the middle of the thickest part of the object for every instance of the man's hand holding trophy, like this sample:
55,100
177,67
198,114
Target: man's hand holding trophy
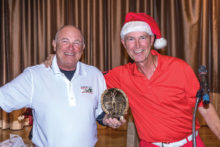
115,104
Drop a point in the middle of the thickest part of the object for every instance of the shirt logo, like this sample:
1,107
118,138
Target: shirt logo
86,89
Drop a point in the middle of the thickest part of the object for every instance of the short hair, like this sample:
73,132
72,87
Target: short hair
57,33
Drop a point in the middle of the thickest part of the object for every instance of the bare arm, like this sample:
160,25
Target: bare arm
212,119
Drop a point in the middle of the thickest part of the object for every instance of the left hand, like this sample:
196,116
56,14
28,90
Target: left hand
113,122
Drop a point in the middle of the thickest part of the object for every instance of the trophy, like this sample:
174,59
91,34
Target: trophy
114,103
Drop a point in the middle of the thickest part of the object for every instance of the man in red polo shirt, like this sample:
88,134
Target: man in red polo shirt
161,89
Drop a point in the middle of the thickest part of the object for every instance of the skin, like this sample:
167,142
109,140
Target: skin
69,46
113,122
138,46
212,119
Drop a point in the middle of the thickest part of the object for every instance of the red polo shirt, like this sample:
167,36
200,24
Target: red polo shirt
162,107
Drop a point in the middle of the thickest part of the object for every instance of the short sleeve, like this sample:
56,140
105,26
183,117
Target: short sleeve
191,84
17,93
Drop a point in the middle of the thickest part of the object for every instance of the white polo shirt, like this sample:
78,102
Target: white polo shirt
64,111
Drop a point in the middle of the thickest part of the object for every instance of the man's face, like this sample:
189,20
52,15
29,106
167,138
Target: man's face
69,46
138,45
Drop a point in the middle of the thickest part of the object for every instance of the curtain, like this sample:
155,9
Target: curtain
191,27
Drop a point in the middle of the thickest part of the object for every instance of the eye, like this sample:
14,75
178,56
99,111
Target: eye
64,41
77,43
143,37
130,38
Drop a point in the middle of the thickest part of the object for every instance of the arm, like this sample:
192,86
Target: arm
212,119
17,93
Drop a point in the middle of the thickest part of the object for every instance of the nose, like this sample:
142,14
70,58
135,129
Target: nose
71,45
137,44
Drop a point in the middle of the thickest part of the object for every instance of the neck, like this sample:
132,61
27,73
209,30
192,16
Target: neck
67,68
148,67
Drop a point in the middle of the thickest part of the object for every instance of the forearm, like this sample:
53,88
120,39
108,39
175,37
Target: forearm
100,118
212,119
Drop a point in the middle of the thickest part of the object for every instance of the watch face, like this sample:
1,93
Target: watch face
114,103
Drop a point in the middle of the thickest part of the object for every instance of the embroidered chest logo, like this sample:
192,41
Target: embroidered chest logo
86,89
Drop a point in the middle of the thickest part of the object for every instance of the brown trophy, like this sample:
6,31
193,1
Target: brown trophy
114,103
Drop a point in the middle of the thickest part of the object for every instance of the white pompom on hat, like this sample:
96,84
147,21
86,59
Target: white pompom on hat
141,22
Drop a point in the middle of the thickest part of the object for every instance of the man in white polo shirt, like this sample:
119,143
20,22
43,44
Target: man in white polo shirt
65,98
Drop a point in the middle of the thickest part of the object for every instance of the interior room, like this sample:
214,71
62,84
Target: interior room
28,28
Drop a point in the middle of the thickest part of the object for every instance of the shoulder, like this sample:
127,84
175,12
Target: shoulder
177,61
173,61
89,68
124,67
174,65
37,67
167,62
40,68
120,69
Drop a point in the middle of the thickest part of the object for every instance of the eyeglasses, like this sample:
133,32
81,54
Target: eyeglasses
67,42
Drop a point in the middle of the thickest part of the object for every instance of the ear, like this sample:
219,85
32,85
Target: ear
54,45
152,40
123,42
84,46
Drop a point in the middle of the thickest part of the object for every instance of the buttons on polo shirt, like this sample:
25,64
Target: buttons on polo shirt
72,101
71,96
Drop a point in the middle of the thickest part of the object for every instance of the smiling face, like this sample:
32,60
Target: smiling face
138,45
69,46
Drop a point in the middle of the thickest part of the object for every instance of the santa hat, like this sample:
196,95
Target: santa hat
141,22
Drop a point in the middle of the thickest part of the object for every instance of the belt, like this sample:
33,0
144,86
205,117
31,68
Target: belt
175,144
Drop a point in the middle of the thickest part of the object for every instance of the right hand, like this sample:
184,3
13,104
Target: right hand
113,122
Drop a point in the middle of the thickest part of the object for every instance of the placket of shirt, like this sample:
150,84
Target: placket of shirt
71,96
